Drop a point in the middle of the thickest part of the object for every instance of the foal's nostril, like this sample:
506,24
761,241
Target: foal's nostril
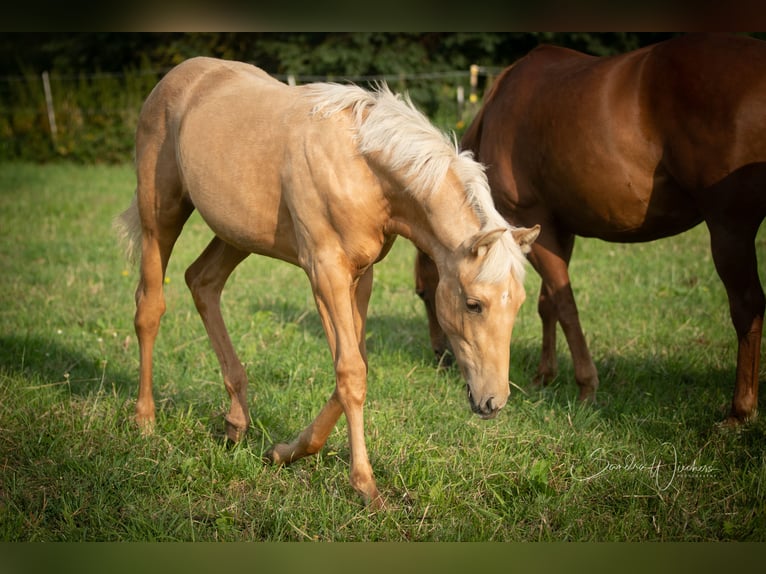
486,411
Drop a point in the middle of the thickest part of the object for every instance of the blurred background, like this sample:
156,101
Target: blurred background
77,96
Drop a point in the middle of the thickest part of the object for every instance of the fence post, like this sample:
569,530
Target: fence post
49,104
460,102
474,97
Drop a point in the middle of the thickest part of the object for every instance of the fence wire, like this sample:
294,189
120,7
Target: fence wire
98,110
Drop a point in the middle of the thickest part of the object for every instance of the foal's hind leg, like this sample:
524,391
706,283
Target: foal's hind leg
160,229
206,278
733,249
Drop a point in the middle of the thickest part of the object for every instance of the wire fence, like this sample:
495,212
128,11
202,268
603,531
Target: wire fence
91,117
299,78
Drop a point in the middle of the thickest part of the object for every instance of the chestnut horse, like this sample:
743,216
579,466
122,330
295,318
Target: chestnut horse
322,176
630,148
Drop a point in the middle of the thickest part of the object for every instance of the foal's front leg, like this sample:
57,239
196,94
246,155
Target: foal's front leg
343,318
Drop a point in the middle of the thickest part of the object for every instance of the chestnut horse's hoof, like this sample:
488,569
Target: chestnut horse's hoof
736,422
543,379
268,457
444,359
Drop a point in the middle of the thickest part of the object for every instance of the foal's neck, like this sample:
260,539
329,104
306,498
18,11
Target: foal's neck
437,223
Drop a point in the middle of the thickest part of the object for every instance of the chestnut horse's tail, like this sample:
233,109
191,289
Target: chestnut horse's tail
127,225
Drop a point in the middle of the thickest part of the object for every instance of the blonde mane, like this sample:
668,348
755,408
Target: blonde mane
390,126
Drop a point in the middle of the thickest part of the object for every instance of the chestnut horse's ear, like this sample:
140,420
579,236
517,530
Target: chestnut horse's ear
484,240
525,236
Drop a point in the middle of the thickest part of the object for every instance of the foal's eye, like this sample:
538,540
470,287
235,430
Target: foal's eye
473,306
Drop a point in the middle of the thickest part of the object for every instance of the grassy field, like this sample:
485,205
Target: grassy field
649,462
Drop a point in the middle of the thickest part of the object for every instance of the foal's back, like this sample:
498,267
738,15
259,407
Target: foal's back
246,151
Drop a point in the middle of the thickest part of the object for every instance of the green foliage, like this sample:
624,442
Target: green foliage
99,80
95,117
648,463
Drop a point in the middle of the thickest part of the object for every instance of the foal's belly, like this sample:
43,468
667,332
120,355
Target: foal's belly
250,221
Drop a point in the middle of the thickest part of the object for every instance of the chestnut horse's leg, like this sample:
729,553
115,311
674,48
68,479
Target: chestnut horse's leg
550,256
733,248
426,280
344,322
206,278
546,309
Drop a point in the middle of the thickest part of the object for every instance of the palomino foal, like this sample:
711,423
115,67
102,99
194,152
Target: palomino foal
322,176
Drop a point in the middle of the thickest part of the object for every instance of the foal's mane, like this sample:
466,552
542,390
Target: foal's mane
390,126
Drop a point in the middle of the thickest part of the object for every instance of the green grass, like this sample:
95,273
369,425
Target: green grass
73,467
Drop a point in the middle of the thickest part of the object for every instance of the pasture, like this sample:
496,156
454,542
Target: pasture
648,463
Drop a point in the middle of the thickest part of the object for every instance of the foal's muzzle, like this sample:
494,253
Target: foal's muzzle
486,411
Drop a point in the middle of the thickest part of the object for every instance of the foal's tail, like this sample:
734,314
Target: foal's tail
127,225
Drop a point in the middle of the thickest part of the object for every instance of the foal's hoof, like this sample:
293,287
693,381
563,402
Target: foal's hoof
377,503
587,396
235,433
277,455
145,425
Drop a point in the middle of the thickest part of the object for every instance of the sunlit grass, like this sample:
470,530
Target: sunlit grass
74,467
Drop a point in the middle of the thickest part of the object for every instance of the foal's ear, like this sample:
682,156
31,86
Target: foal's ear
484,240
525,236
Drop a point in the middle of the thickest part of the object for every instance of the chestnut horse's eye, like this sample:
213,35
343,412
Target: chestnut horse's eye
473,306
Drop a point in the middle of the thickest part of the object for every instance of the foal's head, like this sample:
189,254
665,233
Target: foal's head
477,298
